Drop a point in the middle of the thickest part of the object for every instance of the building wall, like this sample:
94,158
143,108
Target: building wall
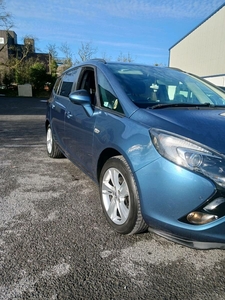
217,80
202,52
3,46
10,49
8,39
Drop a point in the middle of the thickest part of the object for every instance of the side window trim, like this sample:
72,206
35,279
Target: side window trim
76,82
58,85
87,81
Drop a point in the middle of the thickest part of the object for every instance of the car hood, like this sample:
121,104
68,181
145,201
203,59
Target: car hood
206,126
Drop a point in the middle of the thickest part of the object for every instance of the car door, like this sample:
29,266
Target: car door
79,127
58,107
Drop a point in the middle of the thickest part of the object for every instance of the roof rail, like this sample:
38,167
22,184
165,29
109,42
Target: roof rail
100,59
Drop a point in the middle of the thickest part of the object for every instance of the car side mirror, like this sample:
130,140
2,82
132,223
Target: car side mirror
83,98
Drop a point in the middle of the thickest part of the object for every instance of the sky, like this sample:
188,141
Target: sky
144,29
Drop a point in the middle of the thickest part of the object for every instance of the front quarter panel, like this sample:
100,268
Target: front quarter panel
128,137
168,192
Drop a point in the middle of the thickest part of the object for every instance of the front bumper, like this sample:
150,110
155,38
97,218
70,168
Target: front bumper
168,193
189,243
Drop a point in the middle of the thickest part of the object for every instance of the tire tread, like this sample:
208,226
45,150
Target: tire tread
139,224
56,152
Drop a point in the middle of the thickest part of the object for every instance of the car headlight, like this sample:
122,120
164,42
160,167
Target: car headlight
190,155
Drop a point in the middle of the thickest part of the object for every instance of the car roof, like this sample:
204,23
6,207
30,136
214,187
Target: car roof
100,61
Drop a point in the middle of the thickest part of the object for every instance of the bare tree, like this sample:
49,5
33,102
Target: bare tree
86,51
106,57
67,60
53,57
52,50
125,58
6,22
5,17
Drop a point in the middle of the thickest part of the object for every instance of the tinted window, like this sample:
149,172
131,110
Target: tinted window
69,79
107,96
66,88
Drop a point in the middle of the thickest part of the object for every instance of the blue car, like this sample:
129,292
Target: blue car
153,139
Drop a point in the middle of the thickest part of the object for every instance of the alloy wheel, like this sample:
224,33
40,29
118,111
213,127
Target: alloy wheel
115,196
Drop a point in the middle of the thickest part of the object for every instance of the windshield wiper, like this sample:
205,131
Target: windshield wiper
164,105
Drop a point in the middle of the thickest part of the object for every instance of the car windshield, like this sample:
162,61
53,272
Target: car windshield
149,86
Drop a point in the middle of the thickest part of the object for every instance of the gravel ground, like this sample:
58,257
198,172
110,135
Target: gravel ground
55,242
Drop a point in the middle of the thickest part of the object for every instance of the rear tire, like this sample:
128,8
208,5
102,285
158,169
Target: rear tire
119,197
52,148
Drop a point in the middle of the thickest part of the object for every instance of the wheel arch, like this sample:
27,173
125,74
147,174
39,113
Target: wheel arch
108,153
46,124
134,222
104,156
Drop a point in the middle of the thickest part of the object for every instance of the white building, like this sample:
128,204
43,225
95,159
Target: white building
202,51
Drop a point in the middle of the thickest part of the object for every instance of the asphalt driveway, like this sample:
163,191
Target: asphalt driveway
55,242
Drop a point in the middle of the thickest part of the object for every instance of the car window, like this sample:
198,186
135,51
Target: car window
57,85
148,86
68,80
88,83
108,98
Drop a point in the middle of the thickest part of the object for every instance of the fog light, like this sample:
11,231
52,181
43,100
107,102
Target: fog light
200,218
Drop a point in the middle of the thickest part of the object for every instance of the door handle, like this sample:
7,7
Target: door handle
53,106
68,114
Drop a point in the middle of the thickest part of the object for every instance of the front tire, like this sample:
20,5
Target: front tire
119,197
52,148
